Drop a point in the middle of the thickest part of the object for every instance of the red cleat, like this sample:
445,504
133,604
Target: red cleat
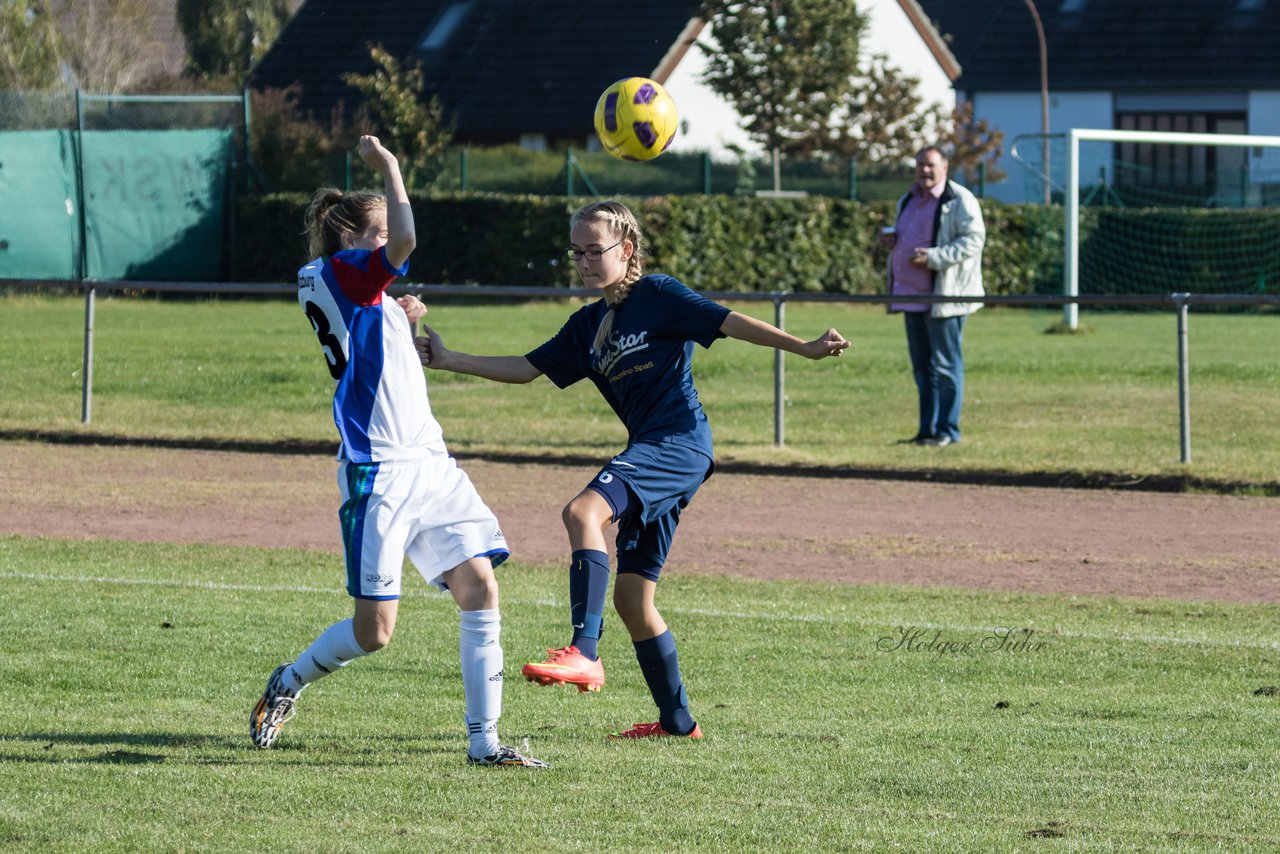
567,666
655,730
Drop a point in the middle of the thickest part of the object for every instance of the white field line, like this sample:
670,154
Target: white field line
675,609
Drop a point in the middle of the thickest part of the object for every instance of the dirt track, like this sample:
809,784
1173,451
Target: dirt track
838,529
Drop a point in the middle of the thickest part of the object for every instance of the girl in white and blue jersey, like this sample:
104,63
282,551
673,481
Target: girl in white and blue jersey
636,346
402,494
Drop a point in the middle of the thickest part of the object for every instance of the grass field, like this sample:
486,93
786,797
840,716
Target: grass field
1105,402
838,717
1118,725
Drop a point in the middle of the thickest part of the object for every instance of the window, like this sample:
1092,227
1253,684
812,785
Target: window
1175,171
444,26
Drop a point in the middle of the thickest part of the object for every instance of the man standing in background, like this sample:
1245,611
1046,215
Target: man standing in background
936,248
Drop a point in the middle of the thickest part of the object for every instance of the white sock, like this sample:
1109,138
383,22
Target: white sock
333,649
481,655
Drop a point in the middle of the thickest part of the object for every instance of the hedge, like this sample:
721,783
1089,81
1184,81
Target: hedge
713,243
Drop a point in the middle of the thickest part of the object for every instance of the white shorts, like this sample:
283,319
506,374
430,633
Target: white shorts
426,509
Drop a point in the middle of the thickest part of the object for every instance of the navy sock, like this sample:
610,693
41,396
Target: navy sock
588,588
661,668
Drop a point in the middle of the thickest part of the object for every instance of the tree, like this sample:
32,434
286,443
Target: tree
31,49
97,45
414,129
883,119
226,37
783,64
293,151
111,44
972,143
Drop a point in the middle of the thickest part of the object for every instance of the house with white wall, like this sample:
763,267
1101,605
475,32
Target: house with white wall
896,28
530,71
1204,66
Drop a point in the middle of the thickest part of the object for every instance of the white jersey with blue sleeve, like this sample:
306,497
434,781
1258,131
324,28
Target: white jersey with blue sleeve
380,404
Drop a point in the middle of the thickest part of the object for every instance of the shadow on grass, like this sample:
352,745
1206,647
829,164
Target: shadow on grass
157,747
1045,479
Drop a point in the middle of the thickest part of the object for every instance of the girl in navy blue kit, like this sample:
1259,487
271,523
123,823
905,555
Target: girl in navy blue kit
636,346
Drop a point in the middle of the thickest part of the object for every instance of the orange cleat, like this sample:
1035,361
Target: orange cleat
655,730
567,666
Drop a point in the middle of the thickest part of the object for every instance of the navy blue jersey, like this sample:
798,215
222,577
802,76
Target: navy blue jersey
644,368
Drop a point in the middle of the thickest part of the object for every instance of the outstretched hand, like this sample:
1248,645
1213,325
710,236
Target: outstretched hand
430,347
830,344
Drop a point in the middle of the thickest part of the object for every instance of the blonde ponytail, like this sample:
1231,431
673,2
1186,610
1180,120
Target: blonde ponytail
332,215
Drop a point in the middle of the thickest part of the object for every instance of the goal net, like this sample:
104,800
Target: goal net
1152,212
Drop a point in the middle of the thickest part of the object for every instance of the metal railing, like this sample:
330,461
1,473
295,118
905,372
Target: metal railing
1179,302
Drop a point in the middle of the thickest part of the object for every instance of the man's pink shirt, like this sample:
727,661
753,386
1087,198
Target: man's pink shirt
914,229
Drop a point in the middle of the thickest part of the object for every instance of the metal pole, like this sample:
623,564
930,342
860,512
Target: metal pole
1184,379
248,148
706,173
82,269
463,170
779,376
853,179
82,258
233,189
1071,263
1044,98
568,171
86,387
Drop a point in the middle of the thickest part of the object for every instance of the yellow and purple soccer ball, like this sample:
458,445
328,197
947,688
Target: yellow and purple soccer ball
636,119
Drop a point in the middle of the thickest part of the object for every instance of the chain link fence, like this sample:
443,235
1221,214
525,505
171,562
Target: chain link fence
573,172
119,186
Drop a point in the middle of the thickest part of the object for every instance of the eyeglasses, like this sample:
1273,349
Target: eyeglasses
590,254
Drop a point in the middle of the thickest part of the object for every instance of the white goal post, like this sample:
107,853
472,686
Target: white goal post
1071,234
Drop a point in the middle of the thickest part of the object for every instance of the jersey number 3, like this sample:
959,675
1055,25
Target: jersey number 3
332,346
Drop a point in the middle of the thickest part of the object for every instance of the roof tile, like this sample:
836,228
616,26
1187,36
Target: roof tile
512,66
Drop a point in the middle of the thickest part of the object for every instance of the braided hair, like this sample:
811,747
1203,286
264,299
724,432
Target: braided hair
622,224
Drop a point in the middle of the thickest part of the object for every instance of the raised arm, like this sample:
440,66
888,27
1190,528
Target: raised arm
400,232
503,369
767,335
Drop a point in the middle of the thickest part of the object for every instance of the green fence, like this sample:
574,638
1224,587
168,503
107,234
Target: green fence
569,172
119,187
510,169
39,229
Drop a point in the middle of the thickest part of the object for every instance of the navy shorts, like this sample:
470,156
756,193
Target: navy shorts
647,486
